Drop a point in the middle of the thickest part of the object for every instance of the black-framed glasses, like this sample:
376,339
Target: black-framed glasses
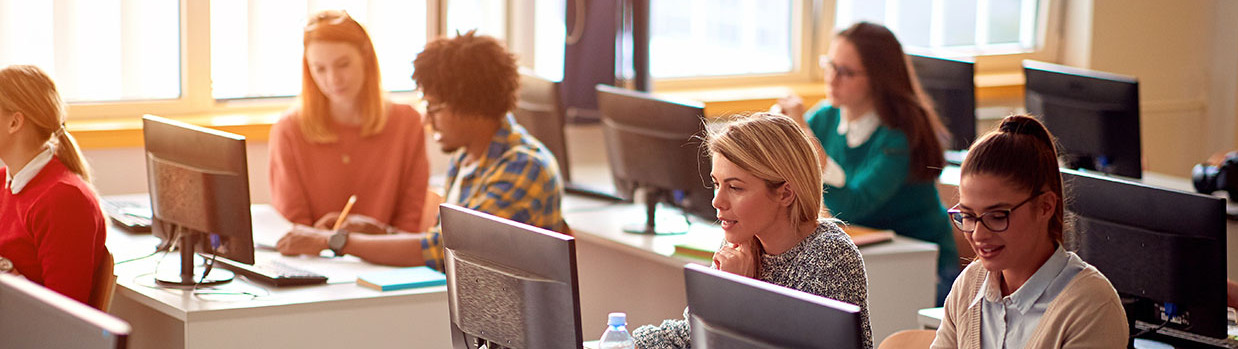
838,70
995,221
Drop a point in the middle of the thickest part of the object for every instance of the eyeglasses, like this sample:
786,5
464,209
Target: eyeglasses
838,70
995,221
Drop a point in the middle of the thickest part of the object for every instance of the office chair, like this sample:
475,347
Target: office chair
907,339
104,283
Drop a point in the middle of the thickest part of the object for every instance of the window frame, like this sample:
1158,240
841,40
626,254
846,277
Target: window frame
814,18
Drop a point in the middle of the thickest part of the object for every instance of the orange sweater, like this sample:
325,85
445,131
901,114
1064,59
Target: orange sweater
389,171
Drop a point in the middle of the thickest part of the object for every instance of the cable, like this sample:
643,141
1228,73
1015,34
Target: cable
578,30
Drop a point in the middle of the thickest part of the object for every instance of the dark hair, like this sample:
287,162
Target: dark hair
472,74
897,96
1022,151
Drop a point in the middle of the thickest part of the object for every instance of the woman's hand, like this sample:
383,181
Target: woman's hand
738,259
354,223
793,107
303,240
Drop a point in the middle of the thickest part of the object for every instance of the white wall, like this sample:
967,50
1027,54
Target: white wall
1182,52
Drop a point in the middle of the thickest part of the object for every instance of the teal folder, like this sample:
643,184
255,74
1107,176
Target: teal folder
402,278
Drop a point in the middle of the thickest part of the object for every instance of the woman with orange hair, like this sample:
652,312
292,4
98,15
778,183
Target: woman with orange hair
51,229
345,138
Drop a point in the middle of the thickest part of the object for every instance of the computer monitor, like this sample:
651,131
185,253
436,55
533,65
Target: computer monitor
951,84
732,311
539,111
199,194
33,316
654,144
1095,116
1157,246
509,284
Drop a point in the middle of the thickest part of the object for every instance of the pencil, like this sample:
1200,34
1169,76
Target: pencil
347,207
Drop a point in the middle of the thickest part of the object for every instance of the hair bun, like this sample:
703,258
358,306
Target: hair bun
1025,125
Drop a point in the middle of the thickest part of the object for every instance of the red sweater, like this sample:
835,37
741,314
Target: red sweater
388,171
53,230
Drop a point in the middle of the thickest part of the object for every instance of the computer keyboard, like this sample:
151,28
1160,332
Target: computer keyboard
130,215
273,272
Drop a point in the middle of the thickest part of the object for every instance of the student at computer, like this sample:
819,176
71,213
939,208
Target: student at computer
1024,290
768,195
51,229
345,138
469,83
881,142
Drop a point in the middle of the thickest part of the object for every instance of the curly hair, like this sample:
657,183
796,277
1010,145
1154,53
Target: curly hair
473,74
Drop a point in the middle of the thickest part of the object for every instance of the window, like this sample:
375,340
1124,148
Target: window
97,50
953,27
698,38
488,17
256,45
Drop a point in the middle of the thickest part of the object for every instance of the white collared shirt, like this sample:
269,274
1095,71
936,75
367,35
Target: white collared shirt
856,132
1008,322
18,181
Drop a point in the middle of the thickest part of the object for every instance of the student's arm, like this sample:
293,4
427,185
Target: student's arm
947,331
69,228
416,170
870,185
288,192
401,249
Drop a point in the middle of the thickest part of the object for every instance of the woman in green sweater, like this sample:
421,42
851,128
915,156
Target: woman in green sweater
881,143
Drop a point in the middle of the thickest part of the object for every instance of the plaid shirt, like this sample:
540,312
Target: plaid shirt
518,180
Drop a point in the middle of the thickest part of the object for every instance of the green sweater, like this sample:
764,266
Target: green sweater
877,192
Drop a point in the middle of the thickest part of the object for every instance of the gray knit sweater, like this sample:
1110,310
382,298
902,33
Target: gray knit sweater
825,263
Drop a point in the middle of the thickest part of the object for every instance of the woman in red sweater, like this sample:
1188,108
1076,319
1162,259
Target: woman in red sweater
51,229
345,138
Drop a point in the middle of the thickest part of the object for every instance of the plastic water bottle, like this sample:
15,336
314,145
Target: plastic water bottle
616,335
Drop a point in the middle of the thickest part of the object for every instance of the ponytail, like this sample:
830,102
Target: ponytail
1023,152
28,90
71,155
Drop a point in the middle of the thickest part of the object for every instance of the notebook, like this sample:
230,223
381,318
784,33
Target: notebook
399,279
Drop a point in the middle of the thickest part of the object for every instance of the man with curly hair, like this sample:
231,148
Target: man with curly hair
469,84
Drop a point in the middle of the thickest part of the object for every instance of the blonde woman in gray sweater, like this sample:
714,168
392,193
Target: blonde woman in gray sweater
1024,290
767,184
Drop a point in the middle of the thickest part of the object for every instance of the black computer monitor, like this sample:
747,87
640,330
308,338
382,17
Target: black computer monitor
654,144
732,311
1157,246
951,84
199,194
33,316
509,284
1095,116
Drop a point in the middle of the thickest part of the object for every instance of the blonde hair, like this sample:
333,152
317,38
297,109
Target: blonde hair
28,90
337,26
773,148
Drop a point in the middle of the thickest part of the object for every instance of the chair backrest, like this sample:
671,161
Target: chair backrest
907,339
539,110
105,283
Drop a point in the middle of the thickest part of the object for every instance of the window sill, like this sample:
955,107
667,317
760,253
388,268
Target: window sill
127,132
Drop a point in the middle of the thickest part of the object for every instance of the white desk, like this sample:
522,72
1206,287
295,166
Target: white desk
340,314
637,274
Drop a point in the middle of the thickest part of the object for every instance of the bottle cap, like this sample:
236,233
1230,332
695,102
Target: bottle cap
617,319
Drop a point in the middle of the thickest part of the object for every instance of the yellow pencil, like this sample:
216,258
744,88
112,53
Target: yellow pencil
347,207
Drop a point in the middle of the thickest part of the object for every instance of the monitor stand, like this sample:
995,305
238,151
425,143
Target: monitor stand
652,197
189,275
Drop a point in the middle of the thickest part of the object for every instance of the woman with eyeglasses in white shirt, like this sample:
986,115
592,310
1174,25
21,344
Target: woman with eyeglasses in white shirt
1024,290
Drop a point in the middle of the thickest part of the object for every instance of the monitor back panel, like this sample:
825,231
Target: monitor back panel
731,311
32,316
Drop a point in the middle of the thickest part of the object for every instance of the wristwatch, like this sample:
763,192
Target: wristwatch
337,241
6,266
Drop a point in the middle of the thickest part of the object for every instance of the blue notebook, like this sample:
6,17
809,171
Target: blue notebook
402,278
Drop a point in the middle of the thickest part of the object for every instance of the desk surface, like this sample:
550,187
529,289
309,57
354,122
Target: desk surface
255,315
